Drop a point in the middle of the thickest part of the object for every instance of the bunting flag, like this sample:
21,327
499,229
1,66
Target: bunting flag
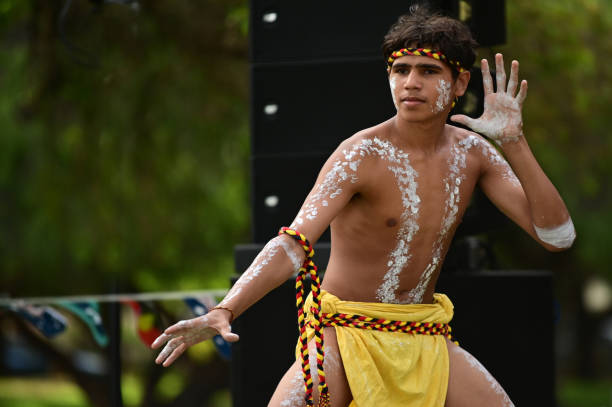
201,307
145,321
89,312
38,312
46,320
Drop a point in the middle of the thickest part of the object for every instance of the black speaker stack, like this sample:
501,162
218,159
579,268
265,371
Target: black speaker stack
317,77
504,318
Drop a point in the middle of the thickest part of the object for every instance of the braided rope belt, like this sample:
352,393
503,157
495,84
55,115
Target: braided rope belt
386,325
321,320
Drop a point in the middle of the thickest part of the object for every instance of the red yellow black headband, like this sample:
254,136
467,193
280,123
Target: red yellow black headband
425,53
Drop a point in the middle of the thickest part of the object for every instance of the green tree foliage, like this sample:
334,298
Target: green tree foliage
564,49
124,145
126,154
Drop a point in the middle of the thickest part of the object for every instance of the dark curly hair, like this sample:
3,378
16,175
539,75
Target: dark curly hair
422,28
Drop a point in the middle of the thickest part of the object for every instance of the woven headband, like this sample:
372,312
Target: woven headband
425,52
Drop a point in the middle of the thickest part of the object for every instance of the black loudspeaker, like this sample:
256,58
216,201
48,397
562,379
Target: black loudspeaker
503,318
312,107
279,186
301,31
486,19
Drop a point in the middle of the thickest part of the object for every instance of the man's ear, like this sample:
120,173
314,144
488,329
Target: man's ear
461,83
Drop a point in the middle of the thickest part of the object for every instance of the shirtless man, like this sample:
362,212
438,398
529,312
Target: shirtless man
394,195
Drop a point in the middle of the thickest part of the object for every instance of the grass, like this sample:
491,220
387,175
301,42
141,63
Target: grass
61,392
583,393
40,392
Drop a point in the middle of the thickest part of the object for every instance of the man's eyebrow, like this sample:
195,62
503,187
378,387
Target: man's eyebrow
429,66
420,65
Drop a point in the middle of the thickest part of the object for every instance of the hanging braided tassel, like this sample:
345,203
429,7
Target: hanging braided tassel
308,267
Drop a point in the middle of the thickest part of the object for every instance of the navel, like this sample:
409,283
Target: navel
391,222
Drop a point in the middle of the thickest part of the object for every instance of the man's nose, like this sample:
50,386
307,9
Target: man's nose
412,81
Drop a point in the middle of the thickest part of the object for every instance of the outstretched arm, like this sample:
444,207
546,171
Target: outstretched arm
282,256
534,203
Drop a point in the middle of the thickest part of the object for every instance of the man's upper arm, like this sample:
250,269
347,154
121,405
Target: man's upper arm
339,179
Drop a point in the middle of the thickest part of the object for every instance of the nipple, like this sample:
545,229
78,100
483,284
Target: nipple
391,222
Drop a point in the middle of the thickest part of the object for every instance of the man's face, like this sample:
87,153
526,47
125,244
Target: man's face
422,87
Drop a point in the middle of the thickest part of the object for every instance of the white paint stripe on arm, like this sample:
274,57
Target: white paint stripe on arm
293,256
561,236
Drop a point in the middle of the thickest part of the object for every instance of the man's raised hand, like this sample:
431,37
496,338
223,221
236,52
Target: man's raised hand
502,119
184,334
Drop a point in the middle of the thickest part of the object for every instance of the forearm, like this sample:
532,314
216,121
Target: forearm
277,261
550,217
547,207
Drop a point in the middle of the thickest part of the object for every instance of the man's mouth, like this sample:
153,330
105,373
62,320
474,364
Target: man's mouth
412,100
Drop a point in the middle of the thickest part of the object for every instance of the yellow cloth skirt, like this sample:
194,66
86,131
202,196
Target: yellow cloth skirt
391,368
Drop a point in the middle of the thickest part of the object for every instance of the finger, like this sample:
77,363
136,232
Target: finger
500,73
487,81
522,93
463,119
170,347
228,335
160,340
179,326
513,82
177,352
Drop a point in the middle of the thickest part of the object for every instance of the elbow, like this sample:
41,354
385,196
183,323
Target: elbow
293,250
557,239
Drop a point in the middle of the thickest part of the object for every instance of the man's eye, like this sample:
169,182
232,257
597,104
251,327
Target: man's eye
430,71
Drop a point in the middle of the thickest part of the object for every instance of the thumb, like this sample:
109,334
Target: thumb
463,119
228,335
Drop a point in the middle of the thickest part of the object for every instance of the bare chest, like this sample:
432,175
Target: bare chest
429,194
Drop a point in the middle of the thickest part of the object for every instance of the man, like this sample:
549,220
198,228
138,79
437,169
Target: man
394,195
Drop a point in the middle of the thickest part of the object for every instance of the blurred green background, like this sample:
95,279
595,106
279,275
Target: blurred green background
124,160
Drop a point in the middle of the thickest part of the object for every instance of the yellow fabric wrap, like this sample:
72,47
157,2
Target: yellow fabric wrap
391,368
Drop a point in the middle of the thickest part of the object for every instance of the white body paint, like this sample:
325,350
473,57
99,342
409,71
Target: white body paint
393,84
451,207
330,188
296,393
495,386
264,257
494,157
296,260
452,184
561,236
406,181
506,115
444,95
345,170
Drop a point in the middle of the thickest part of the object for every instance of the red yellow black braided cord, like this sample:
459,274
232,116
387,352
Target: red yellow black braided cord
321,320
309,268
426,53
386,325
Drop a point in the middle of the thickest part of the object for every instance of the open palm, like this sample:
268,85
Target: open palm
502,119
184,334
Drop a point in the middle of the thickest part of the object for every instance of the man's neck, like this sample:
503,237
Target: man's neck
426,137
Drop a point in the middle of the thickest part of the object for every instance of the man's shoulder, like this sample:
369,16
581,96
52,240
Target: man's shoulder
467,139
364,137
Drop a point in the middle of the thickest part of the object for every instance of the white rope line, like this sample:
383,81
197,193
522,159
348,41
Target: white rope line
151,296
